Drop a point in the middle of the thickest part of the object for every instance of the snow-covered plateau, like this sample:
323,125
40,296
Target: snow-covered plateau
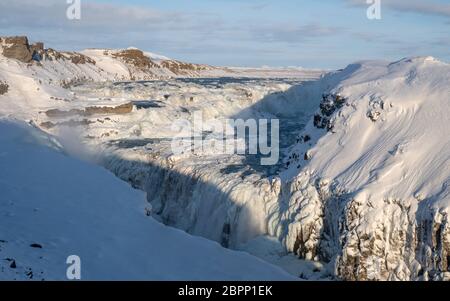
361,190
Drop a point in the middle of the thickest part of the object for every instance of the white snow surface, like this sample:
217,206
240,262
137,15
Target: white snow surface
404,152
70,207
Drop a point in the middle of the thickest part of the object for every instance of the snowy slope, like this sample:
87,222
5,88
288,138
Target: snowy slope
374,190
156,57
64,207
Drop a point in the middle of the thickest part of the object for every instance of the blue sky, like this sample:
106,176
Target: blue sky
318,34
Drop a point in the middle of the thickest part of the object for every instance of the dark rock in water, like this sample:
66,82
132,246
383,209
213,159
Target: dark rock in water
3,88
318,121
36,246
13,265
307,156
147,104
226,235
30,274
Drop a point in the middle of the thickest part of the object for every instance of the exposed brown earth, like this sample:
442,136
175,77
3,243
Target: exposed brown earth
178,67
78,58
136,58
71,123
122,109
75,57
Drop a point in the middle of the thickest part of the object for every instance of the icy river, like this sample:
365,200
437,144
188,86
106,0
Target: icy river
227,197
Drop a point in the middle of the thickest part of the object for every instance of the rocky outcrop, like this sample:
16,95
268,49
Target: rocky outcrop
78,58
136,58
330,104
330,225
16,48
74,57
181,68
138,62
19,48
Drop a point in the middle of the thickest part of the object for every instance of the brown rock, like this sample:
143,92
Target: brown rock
178,67
78,58
121,109
52,55
136,58
17,48
38,46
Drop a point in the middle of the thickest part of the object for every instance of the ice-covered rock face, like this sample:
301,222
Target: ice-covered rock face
373,197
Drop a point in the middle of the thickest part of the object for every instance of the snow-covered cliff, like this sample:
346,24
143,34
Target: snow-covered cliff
373,194
362,185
